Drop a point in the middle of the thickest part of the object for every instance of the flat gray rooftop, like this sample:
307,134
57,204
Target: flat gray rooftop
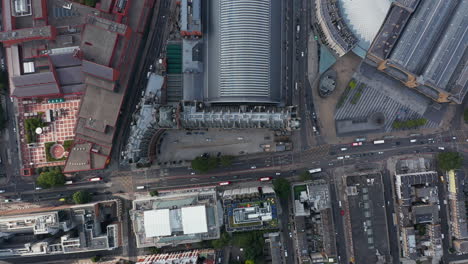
101,104
389,32
425,26
98,44
449,52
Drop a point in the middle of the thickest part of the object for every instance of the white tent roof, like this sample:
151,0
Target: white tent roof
194,219
157,223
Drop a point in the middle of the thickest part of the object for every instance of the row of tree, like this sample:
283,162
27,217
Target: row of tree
412,123
206,163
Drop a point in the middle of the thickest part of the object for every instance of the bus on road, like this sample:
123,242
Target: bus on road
315,170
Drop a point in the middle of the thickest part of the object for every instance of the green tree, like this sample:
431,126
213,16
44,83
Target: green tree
50,179
226,161
154,193
421,229
252,242
81,197
204,164
91,3
39,170
154,250
305,176
249,261
223,241
2,118
451,250
282,188
449,160
96,258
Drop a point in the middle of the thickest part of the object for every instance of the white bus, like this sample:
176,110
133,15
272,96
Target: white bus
315,170
376,142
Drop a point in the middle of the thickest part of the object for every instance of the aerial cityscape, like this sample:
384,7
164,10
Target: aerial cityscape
234,131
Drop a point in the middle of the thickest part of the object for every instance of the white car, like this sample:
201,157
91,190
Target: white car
38,188
347,157
192,173
2,191
253,167
278,173
340,158
380,152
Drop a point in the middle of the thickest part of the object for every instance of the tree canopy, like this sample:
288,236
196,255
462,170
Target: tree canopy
449,160
154,193
305,176
50,179
81,197
226,161
206,163
96,258
223,241
252,242
412,123
282,188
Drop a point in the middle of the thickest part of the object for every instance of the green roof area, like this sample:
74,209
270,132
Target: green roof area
174,58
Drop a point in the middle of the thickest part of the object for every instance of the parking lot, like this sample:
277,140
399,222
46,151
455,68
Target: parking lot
183,145
368,218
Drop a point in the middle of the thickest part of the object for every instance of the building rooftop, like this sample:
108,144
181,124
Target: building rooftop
203,256
98,44
243,53
194,219
157,223
425,42
69,229
27,34
333,29
364,18
35,84
182,217
415,44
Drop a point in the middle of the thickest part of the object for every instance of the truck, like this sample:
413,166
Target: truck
376,142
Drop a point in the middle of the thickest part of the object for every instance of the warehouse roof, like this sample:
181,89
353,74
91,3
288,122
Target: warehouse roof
194,219
157,223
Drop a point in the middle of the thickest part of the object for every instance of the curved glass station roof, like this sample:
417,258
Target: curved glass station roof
364,18
244,51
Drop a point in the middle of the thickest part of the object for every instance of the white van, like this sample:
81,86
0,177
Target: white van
412,141
344,149
340,158
140,187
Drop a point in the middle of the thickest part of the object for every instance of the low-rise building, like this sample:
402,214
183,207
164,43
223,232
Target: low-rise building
251,208
179,218
418,209
202,256
73,229
314,232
